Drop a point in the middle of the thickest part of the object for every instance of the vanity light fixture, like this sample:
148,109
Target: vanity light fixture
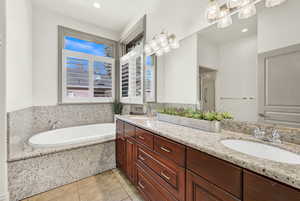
244,30
162,43
273,3
245,8
248,10
233,3
225,19
96,5
213,10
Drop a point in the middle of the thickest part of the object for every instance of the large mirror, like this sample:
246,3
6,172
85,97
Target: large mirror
250,69
228,69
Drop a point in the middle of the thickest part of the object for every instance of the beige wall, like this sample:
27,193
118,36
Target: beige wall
237,77
45,44
3,154
19,54
180,73
279,26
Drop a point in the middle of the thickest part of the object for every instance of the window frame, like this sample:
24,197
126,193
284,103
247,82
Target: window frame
62,55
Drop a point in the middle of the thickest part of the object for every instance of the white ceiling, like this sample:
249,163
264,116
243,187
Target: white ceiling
113,14
233,32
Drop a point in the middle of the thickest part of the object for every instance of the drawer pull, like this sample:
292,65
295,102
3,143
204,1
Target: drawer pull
142,158
141,137
141,185
165,149
165,176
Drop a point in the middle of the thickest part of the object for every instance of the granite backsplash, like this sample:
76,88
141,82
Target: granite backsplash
22,124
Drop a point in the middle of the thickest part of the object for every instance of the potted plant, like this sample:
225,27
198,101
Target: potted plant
117,107
207,121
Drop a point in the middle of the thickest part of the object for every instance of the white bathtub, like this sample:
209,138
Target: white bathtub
73,135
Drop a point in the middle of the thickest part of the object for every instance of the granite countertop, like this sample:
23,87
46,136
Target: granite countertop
210,143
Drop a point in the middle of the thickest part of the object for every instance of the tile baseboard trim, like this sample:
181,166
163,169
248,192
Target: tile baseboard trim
4,196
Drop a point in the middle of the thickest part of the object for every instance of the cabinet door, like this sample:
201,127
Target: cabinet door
121,154
199,189
259,188
131,160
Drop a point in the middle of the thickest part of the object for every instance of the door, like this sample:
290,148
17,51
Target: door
278,81
199,189
121,154
131,160
208,87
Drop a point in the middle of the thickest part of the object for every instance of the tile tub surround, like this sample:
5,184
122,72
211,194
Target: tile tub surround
23,124
210,143
35,175
287,134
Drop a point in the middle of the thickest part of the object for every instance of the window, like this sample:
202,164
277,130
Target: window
87,67
150,78
131,73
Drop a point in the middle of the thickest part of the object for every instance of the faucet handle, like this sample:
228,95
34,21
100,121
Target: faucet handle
257,133
276,136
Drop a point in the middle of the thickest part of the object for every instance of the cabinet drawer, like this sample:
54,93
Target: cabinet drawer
150,189
170,149
259,188
165,172
144,137
129,130
221,173
199,189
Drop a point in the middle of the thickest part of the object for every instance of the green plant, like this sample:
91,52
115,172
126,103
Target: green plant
196,114
118,107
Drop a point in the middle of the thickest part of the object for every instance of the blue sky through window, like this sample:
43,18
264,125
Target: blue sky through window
84,46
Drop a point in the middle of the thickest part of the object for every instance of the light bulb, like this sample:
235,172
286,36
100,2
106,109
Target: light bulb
272,3
162,38
174,43
159,52
247,11
154,45
225,19
233,3
167,49
147,49
212,11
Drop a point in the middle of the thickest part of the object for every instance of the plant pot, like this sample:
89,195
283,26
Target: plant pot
210,126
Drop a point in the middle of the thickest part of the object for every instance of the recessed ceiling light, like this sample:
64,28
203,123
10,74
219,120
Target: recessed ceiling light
97,5
245,30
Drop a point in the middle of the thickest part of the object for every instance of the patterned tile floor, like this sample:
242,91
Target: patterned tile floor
108,186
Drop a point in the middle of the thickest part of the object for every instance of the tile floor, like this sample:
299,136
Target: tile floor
108,186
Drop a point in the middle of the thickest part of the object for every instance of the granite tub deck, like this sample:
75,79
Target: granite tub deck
210,143
33,171
26,151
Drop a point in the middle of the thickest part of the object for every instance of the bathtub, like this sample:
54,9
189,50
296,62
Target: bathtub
73,135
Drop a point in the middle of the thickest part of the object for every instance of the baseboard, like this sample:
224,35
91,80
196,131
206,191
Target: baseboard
4,197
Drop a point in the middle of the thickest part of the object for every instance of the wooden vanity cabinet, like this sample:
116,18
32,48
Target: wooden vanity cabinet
164,170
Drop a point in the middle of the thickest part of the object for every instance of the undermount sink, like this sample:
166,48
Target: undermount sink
263,151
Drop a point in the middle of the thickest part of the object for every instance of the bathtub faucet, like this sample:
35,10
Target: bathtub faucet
54,125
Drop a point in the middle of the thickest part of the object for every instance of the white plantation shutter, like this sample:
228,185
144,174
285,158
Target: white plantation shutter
131,74
87,78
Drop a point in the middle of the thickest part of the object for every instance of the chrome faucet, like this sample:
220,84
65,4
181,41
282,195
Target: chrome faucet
261,134
54,125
